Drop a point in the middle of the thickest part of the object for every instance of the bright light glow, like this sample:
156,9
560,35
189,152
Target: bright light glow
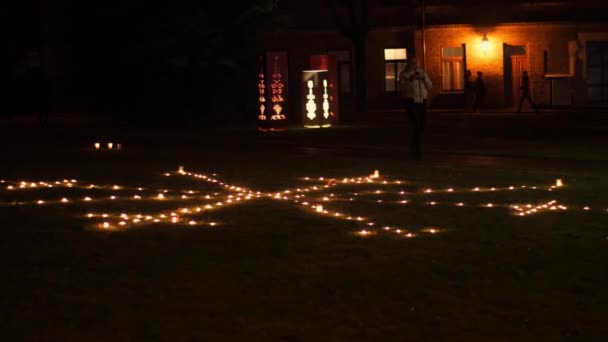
311,106
395,54
485,43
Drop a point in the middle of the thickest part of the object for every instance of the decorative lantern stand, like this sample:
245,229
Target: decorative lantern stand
272,89
329,63
315,99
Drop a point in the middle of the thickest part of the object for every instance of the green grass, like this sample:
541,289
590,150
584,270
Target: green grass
276,271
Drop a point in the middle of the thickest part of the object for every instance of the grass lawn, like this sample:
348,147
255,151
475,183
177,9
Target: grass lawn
275,269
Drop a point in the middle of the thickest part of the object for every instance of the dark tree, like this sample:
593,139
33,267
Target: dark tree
352,20
190,57
355,19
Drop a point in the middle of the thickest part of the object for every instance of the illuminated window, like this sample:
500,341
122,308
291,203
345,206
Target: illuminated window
452,68
394,63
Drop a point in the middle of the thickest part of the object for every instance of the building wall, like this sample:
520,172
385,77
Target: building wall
546,47
551,48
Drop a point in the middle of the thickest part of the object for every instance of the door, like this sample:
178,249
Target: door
597,73
519,64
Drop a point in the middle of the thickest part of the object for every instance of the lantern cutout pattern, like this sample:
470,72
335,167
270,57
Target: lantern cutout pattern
262,92
272,91
277,95
329,63
315,96
325,100
311,106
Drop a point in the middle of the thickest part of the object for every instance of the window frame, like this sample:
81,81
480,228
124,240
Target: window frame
395,63
452,60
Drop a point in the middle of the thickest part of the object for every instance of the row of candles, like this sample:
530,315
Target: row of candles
72,183
109,146
162,195
296,196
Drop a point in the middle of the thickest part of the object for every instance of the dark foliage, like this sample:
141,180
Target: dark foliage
171,60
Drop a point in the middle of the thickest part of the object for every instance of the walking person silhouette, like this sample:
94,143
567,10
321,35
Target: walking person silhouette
526,94
480,92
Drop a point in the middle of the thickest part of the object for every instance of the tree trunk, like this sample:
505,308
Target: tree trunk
360,42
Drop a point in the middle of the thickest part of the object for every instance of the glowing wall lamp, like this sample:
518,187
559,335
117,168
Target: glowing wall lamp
485,43
316,106
272,91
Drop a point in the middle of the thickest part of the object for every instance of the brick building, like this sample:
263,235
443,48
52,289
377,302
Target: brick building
562,44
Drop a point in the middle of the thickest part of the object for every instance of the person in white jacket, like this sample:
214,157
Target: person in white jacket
414,84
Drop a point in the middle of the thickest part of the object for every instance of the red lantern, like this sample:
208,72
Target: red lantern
272,91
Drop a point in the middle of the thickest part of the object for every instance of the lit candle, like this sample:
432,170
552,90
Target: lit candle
110,146
97,146
559,183
319,208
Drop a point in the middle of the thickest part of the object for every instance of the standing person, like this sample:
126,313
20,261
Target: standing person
526,94
480,92
414,84
469,91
